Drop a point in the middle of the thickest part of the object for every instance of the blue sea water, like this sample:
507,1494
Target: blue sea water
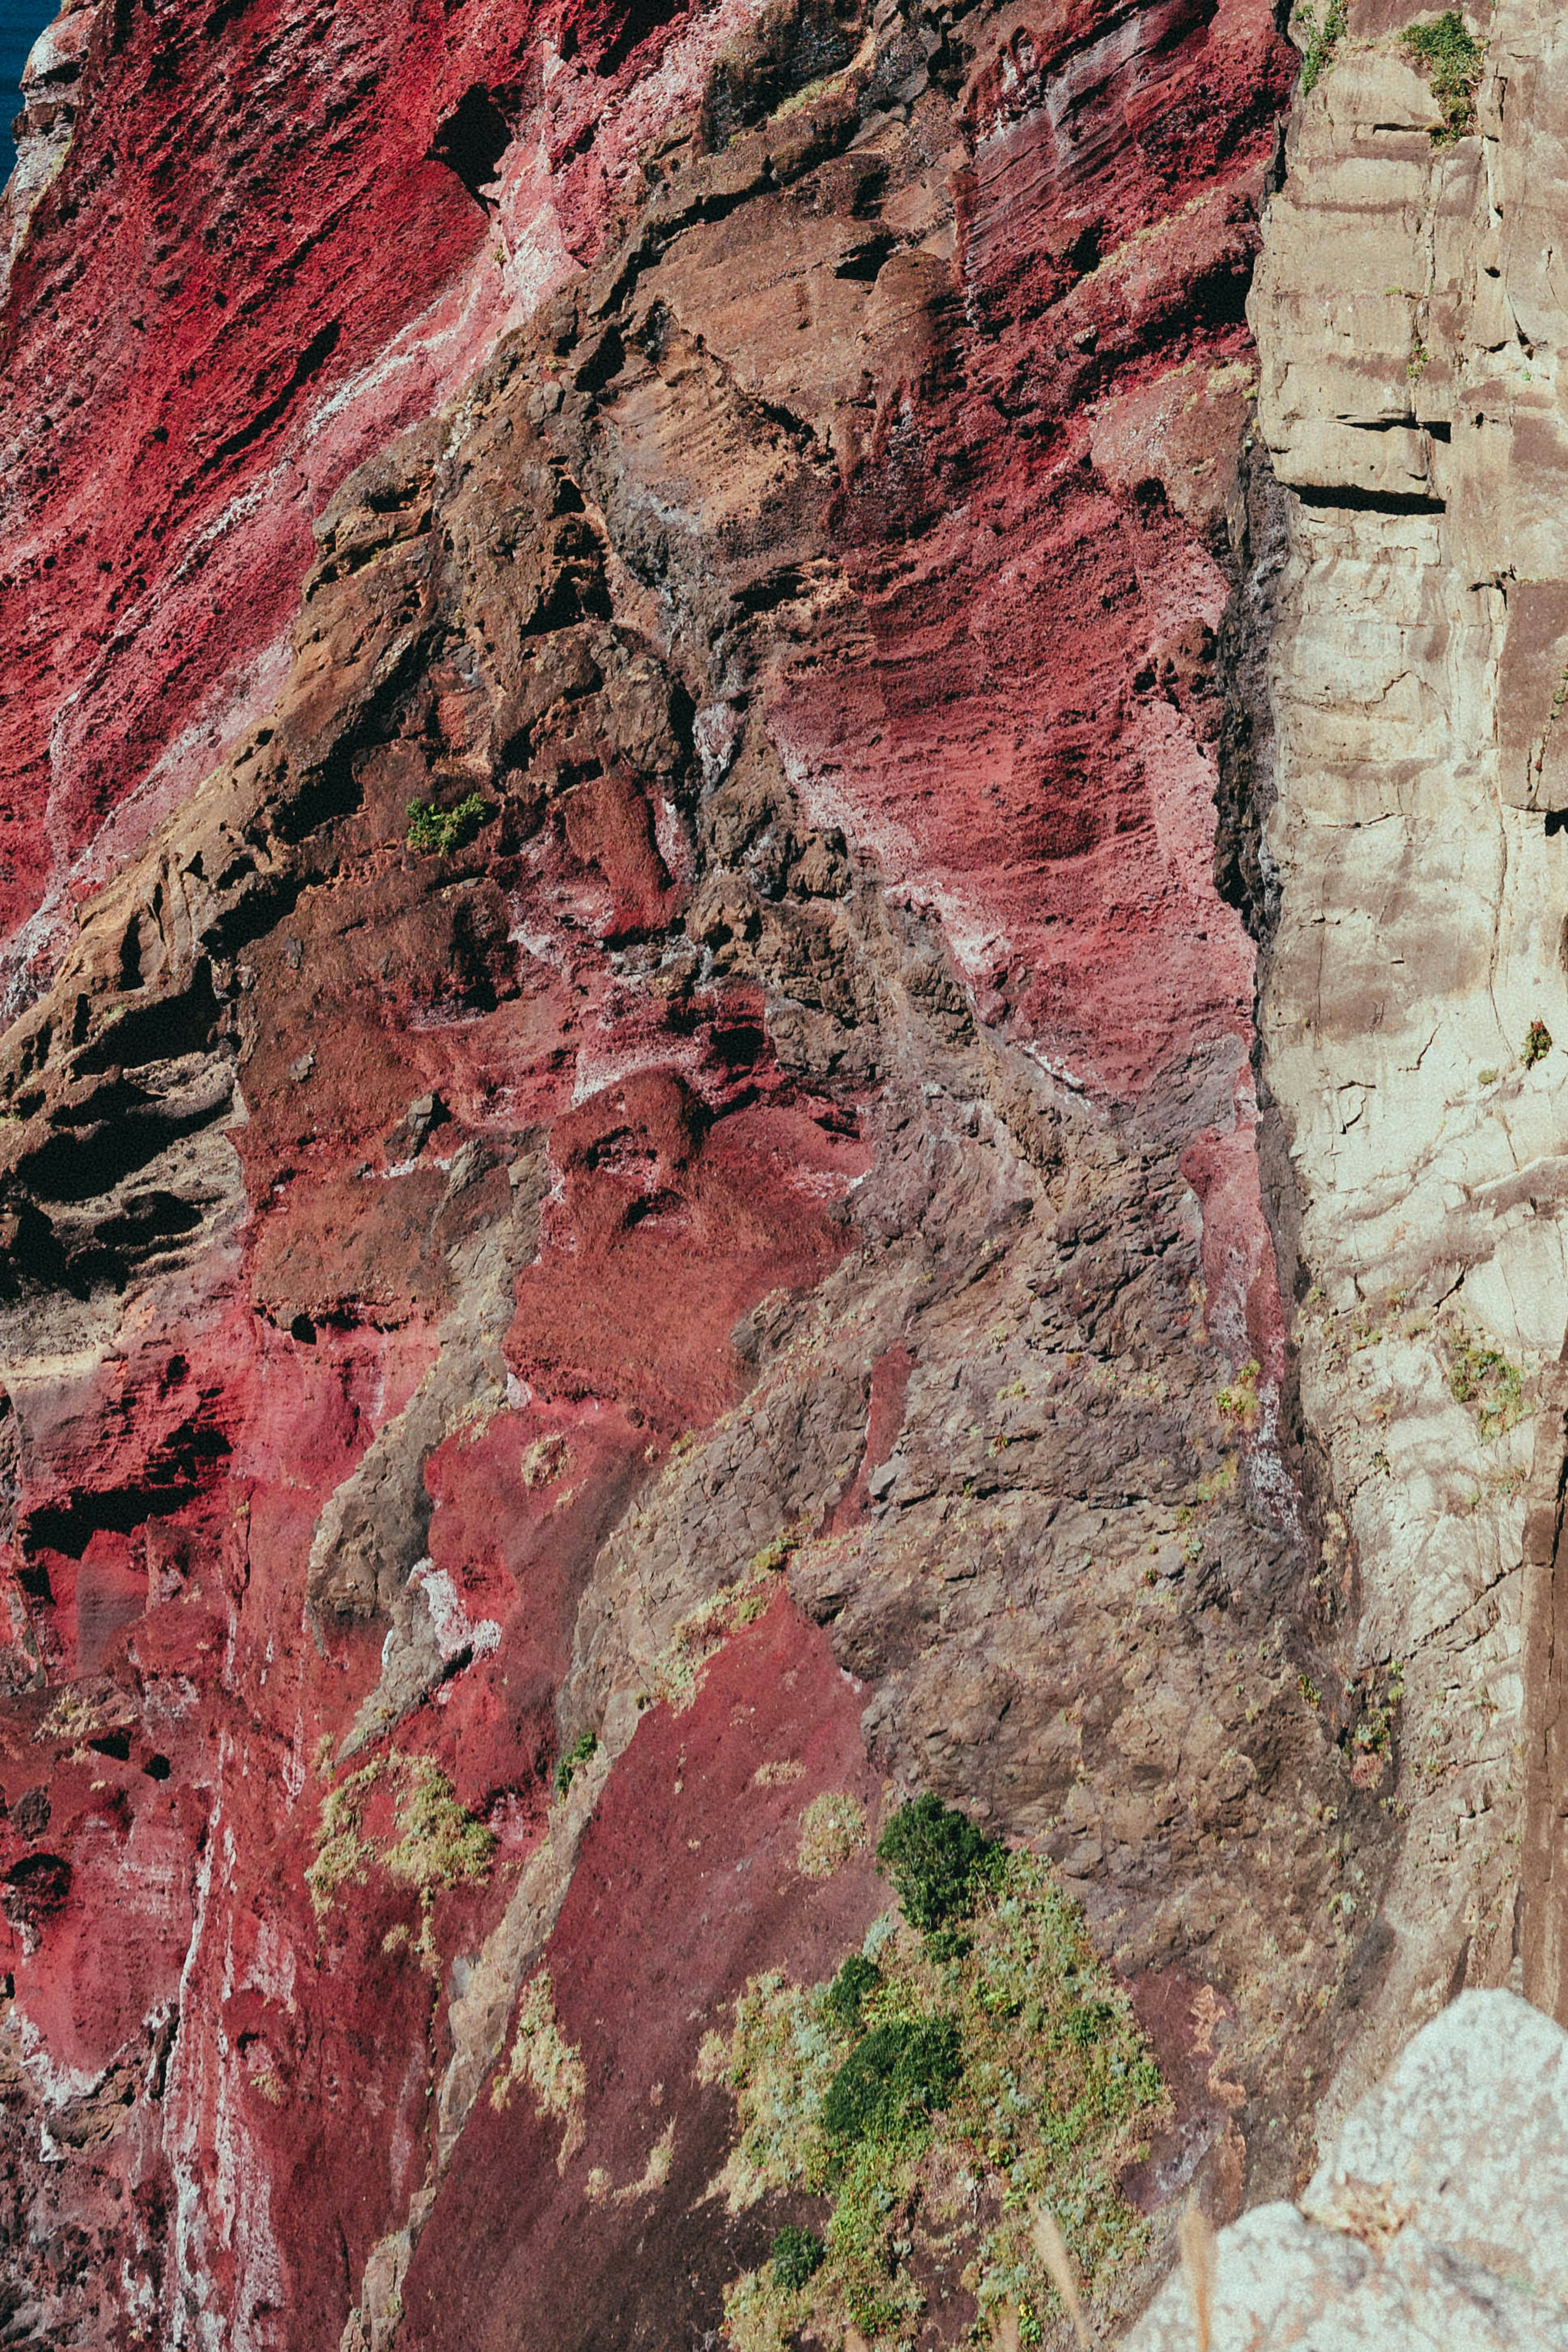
21,22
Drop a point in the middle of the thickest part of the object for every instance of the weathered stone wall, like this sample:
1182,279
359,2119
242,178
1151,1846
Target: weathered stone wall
1409,323
1435,2218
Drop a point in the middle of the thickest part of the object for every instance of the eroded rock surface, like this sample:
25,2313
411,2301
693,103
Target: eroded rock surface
1436,2218
1408,320
644,1206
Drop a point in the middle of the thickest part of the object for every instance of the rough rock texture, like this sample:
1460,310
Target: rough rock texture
1435,2218
630,1124
1408,317
280,237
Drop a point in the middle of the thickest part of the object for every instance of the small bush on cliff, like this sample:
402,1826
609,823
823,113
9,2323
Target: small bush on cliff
937,1859
1319,42
1537,1045
444,829
1484,1378
585,1745
797,2256
1238,1399
1450,58
930,2103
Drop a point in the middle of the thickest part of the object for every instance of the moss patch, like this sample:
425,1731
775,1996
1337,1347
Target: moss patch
426,1843
831,1827
703,1631
544,2062
937,2090
1450,58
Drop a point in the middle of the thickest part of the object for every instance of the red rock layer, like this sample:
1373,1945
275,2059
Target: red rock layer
433,1282
266,252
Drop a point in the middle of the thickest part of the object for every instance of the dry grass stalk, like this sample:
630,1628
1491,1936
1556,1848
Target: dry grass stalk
1052,2247
1196,2237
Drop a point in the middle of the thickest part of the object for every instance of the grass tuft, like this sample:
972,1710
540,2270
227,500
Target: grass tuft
444,831
1450,58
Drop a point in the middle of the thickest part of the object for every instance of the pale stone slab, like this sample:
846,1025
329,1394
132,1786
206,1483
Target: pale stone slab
1438,2222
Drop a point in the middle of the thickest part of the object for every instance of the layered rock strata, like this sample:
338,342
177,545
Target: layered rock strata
644,1206
1408,318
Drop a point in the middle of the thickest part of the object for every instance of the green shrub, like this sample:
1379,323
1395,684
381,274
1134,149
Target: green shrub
1019,2067
444,829
1319,41
937,1859
891,2082
1537,1045
797,2256
1483,1377
1450,58
845,1997
1086,2021
585,1745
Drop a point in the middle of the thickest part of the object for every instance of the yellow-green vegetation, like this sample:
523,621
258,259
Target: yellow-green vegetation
543,2061
583,1746
940,2088
547,1459
1450,58
425,1841
1374,1695
444,829
800,98
702,1633
1484,1379
1238,1399
1319,42
831,1827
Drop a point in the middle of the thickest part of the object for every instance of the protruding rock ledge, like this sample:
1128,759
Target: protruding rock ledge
1440,2217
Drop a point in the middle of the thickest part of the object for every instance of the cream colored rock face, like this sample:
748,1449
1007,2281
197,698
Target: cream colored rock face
1411,309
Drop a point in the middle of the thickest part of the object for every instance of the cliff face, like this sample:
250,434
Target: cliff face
635,1229
1408,318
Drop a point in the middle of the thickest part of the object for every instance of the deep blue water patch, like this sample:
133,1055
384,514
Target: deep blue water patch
21,22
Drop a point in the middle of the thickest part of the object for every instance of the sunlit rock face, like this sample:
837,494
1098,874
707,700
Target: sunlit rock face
671,680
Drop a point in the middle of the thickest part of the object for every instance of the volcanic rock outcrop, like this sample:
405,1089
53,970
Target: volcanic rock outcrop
664,674
1407,317
1434,2219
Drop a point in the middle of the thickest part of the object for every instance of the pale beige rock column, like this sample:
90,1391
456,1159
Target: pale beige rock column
1409,311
